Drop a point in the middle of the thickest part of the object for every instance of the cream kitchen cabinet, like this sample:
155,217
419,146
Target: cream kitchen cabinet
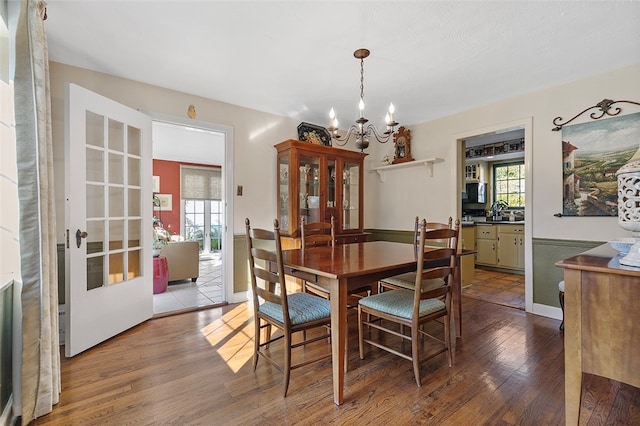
486,245
467,262
511,246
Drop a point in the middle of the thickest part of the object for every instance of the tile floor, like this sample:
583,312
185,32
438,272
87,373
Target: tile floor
185,295
497,287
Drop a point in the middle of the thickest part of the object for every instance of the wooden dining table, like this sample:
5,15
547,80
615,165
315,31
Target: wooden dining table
349,266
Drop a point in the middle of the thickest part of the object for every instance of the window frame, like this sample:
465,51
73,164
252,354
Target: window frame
522,178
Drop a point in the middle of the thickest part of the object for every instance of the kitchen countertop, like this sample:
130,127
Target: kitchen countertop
492,222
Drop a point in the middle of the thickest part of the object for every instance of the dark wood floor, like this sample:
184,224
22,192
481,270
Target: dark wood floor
497,287
195,368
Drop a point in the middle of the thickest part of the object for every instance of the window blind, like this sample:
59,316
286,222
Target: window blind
201,183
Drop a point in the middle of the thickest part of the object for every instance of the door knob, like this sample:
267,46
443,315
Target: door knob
79,236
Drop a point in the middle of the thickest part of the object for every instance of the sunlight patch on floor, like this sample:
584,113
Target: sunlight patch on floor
232,336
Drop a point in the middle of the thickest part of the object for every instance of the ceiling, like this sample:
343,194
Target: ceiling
295,59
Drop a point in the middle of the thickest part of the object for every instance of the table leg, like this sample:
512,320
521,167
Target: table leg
572,345
457,299
338,336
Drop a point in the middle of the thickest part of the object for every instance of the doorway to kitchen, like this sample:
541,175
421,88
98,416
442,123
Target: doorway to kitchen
494,202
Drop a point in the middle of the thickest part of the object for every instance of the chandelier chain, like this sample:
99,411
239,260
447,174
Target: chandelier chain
362,79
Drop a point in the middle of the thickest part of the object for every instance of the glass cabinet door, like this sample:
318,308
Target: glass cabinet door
283,193
309,192
351,196
330,177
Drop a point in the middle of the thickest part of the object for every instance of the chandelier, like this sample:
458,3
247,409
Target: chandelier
361,130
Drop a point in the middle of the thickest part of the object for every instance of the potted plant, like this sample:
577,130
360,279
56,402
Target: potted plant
497,207
160,237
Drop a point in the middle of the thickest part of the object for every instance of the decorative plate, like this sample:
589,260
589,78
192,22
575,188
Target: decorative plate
314,134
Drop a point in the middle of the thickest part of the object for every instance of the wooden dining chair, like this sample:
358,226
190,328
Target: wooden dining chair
273,306
413,308
323,234
407,280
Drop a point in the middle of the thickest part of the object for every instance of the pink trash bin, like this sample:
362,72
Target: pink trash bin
160,274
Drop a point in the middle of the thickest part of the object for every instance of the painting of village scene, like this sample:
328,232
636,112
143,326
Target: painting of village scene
592,153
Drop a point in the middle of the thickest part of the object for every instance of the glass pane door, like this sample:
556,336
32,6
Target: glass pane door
203,223
310,188
283,193
350,196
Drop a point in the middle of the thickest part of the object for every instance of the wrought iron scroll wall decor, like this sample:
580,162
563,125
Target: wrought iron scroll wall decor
605,109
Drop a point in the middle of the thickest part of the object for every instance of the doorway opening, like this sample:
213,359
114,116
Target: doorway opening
190,164
497,221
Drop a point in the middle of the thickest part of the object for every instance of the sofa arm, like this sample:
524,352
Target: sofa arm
182,259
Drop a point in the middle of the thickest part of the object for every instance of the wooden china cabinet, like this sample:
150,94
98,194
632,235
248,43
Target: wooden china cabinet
317,182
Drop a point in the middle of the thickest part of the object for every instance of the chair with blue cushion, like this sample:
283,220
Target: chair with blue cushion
407,280
273,306
392,311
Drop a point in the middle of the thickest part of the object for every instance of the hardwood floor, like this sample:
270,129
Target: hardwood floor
497,287
196,369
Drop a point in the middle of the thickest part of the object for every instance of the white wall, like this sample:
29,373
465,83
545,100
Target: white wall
435,139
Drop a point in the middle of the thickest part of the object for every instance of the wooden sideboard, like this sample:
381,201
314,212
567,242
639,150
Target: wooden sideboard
602,322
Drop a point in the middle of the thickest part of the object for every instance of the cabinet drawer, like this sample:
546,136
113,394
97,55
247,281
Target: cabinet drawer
486,232
511,229
348,239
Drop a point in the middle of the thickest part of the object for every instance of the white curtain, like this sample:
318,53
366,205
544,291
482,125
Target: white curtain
40,375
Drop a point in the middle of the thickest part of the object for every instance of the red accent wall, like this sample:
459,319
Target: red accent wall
169,172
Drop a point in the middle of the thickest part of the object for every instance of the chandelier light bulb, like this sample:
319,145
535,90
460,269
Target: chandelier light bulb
392,109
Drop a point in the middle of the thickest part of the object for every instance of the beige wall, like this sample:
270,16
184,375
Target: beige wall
435,139
255,133
406,192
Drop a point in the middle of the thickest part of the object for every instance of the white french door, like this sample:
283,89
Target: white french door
108,217
203,222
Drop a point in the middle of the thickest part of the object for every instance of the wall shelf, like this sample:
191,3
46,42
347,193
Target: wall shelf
427,161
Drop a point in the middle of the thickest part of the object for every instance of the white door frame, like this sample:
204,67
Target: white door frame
458,173
227,170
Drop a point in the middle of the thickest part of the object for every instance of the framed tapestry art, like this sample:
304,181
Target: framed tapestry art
592,153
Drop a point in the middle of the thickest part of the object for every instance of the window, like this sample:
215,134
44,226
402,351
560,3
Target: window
508,181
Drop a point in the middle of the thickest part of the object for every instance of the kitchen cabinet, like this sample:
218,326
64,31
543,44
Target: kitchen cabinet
511,246
486,245
472,172
467,263
317,182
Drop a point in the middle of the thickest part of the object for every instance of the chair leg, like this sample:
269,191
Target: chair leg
256,342
287,362
415,352
561,297
360,330
447,338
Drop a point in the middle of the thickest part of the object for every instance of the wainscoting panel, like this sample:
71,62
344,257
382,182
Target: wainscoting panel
546,276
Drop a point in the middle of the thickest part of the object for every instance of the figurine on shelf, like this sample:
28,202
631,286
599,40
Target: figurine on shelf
386,160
